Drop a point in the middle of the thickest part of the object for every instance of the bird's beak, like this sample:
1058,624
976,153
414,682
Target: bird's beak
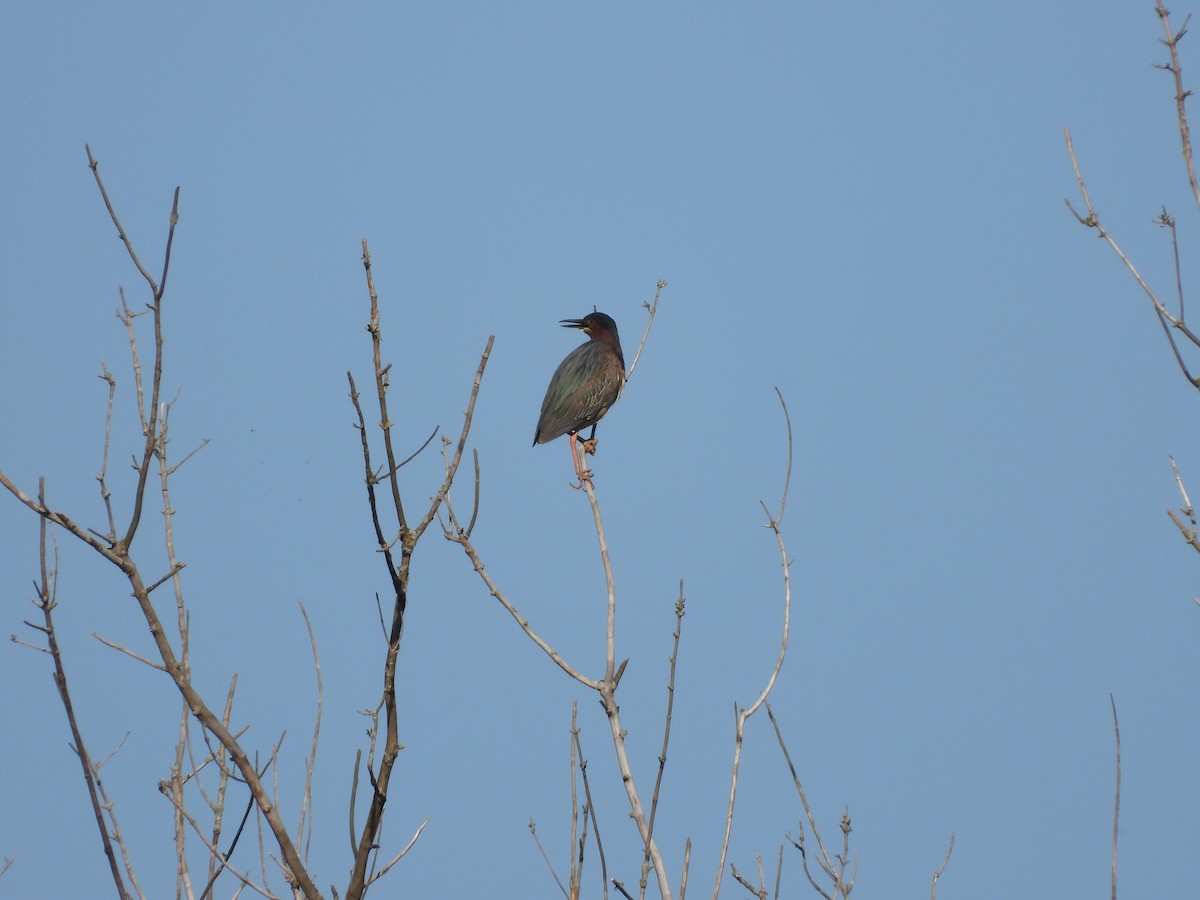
572,323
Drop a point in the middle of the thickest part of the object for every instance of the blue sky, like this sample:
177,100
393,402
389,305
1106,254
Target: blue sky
860,205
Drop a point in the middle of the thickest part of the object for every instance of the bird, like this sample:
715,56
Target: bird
584,387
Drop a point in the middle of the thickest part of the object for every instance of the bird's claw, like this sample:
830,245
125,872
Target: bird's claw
589,446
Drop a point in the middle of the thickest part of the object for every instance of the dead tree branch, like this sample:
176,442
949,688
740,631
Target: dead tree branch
116,545
397,554
742,714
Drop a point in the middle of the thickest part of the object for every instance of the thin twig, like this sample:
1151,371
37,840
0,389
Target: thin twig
459,536
1172,43
742,714
176,568
215,851
607,689
310,763
1092,220
475,505
1117,792
223,778
576,862
687,859
175,468
591,809
942,869
787,478
843,883
546,857
95,167
1189,531
102,477
412,841
381,385
1168,221
798,843
223,859
759,892
123,649
353,796
652,310
404,462
825,862
46,601
662,757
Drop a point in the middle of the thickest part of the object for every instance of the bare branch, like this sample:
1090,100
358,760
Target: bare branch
459,536
787,478
47,601
825,861
591,811
95,167
452,467
154,426
662,758
576,862
212,849
1185,139
760,892
105,493
945,862
176,568
366,847
687,859
474,506
1117,798
545,856
175,468
306,802
1189,530
1169,321
399,856
218,807
123,649
651,310
742,714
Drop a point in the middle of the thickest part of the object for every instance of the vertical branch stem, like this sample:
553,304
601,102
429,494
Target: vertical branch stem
662,759
46,601
742,714
1117,798
1172,41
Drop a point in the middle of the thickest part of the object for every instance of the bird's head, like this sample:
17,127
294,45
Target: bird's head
595,325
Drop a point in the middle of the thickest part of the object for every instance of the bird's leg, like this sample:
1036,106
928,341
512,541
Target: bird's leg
577,460
589,446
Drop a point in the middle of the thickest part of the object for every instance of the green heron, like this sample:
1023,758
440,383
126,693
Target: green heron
585,385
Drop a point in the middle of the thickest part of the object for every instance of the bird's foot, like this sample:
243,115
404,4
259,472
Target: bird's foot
589,446
585,477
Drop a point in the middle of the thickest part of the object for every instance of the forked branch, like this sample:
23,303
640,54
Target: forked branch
742,714
397,555
117,549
